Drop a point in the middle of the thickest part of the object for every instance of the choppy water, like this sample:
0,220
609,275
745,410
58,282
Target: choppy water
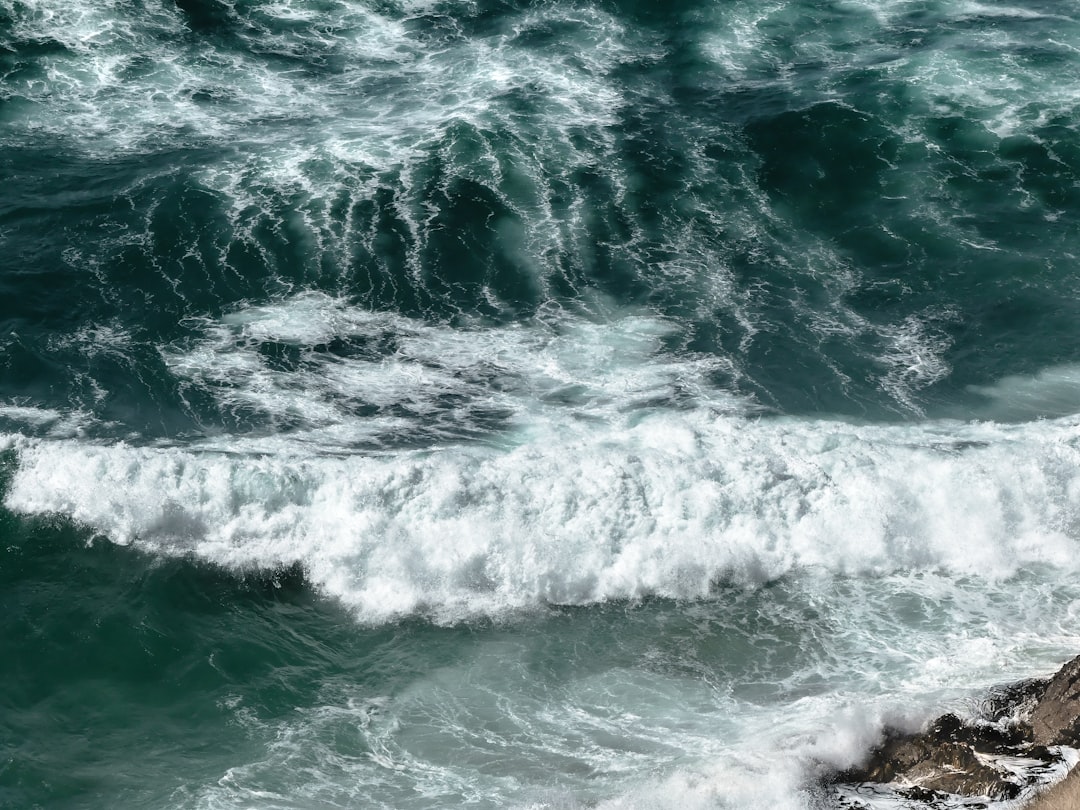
526,404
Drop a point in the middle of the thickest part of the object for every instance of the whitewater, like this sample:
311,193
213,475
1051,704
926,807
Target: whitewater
528,403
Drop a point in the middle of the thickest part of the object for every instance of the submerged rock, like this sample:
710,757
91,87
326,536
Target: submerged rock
972,759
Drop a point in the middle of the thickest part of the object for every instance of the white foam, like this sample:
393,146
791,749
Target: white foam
30,415
649,734
666,504
411,87
971,9
914,357
430,379
969,63
1051,392
45,421
320,106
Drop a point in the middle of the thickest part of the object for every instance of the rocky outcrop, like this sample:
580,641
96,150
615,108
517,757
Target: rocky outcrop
944,759
977,759
1056,717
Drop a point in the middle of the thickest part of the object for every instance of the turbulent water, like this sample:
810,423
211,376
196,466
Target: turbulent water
526,403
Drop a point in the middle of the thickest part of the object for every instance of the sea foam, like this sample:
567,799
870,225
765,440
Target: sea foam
664,505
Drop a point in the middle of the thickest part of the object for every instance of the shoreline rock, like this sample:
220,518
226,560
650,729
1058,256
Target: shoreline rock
1030,722
1065,795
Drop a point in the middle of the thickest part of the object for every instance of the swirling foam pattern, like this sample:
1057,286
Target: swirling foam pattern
526,403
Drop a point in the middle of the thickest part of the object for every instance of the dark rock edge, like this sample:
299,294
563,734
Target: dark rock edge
953,758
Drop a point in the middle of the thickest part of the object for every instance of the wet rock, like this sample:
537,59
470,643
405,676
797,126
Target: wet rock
922,794
1056,717
962,759
945,759
955,768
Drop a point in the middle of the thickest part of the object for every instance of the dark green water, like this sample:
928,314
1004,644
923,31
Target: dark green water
526,404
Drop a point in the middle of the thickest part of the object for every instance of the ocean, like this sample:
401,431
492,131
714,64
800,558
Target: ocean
421,404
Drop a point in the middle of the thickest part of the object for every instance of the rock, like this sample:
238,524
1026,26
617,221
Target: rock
958,758
955,768
1056,717
943,759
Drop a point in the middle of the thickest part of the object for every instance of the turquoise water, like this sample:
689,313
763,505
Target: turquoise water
526,404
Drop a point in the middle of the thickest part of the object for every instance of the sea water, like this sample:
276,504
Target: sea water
527,403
